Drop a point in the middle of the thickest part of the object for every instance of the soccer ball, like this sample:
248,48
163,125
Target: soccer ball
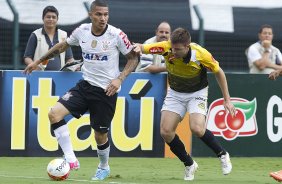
58,169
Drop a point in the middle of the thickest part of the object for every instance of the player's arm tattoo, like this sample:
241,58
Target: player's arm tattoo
56,50
132,62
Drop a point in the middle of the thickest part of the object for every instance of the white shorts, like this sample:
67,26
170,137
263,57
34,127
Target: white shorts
180,103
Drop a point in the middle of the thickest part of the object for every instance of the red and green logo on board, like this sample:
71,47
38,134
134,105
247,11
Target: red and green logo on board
221,123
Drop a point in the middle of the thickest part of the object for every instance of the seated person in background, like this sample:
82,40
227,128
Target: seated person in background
262,56
154,63
42,39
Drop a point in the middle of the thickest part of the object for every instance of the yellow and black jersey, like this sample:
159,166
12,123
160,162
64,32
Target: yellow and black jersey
187,74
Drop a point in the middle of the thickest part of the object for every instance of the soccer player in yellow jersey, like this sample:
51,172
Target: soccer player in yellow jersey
187,64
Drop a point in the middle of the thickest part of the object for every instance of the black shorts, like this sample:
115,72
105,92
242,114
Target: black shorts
85,97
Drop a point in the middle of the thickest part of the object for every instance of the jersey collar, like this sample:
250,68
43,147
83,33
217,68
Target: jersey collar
102,32
187,58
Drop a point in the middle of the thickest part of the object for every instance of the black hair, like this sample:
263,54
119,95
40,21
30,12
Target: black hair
50,9
102,3
265,26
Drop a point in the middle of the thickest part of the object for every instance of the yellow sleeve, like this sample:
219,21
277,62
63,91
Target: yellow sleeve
208,61
156,48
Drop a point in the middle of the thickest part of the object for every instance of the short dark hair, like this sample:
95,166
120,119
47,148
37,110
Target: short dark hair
180,35
102,3
50,9
265,26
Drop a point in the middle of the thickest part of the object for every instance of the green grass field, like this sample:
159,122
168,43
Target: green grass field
27,170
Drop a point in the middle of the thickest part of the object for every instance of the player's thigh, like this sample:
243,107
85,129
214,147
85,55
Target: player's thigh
197,122
169,121
75,99
102,111
198,102
58,112
175,102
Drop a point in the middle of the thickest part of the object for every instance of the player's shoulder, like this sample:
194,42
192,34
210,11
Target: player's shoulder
85,27
194,45
112,30
198,48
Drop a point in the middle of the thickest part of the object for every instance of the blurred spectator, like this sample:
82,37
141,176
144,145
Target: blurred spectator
42,39
262,56
154,63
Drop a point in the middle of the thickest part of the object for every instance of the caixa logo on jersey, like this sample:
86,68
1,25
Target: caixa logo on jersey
221,123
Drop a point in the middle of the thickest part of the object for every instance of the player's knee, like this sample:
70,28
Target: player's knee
198,130
53,116
165,133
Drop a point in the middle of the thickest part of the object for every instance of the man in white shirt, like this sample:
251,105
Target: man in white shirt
262,56
97,92
155,63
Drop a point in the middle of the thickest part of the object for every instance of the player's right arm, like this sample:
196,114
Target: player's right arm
152,48
53,52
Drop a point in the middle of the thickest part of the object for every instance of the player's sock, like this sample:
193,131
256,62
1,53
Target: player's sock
62,134
103,152
178,148
209,139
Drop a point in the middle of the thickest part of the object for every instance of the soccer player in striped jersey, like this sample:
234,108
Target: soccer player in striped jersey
100,43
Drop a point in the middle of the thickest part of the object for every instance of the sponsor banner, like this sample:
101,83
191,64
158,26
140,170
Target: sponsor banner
221,123
257,128
25,128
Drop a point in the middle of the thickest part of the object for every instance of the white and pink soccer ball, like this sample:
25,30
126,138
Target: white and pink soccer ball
58,169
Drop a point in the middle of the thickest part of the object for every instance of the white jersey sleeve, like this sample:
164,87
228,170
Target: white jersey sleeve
123,43
76,35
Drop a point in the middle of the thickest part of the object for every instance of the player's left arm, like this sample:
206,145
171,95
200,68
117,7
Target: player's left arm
152,48
222,82
211,64
132,62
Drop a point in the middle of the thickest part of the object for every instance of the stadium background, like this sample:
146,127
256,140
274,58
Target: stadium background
139,19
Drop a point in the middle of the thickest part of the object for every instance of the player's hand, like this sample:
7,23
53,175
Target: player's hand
137,48
273,75
29,68
113,87
230,108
